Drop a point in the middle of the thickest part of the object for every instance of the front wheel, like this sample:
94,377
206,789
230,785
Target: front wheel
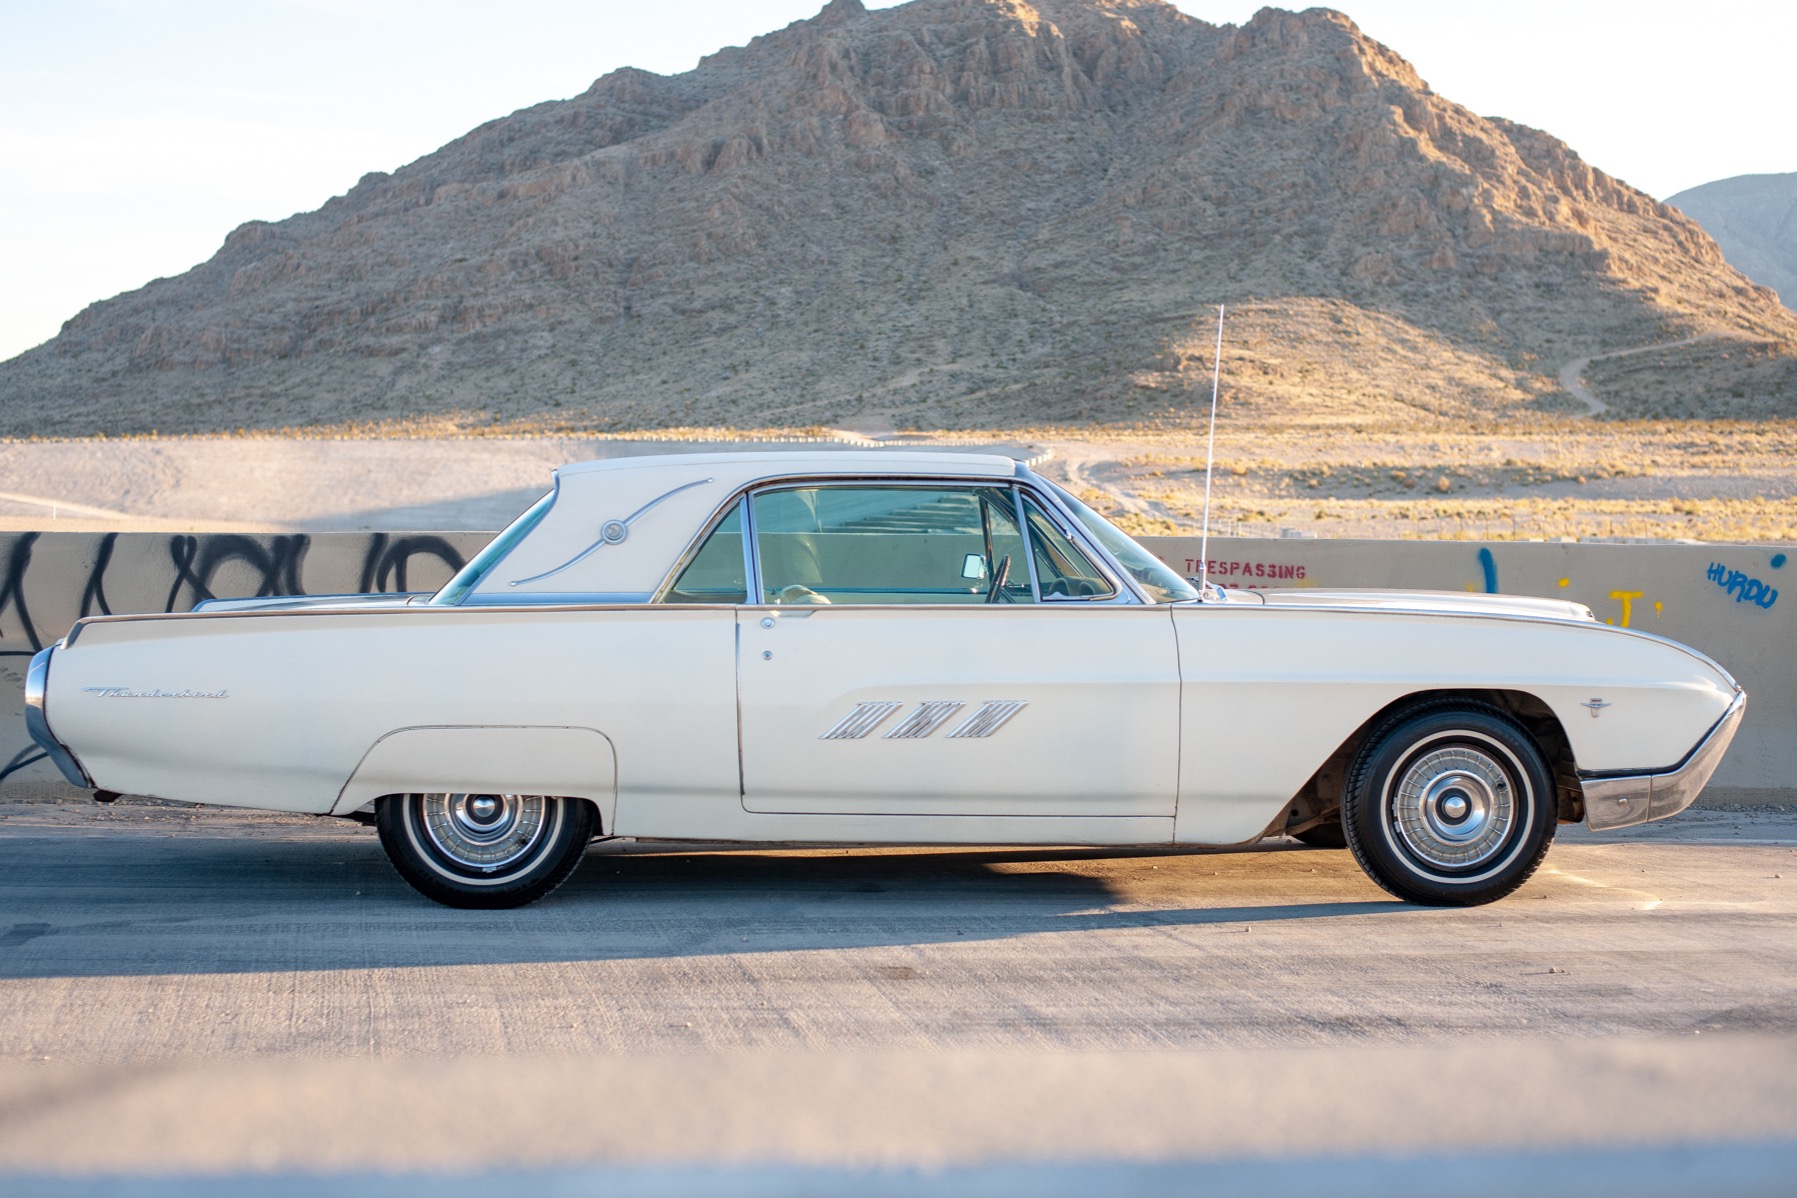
1450,805
484,850
1324,836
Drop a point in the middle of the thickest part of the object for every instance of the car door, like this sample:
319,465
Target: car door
940,649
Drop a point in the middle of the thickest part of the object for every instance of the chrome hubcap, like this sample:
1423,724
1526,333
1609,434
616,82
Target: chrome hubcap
1454,807
484,832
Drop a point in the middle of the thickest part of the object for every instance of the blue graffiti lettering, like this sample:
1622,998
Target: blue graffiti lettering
1742,587
1488,564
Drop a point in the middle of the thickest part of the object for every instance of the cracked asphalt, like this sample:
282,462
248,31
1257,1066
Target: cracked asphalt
205,993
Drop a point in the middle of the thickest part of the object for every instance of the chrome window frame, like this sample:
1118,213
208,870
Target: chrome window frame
1029,548
1066,524
1124,591
740,501
1023,483
751,557
938,482
1070,524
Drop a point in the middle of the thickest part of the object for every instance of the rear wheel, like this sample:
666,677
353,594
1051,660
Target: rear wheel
1450,805
484,850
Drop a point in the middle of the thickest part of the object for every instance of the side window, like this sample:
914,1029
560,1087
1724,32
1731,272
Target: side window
716,573
890,544
1062,570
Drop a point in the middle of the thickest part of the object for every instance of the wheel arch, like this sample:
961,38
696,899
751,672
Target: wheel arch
567,762
601,826
1320,800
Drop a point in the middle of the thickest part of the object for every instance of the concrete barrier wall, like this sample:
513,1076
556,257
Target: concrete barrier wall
1736,603
1728,601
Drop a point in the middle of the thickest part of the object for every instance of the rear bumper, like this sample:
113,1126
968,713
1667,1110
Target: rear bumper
1619,802
36,723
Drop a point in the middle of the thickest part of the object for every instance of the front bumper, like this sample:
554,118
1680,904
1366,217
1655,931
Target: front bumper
1620,802
36,723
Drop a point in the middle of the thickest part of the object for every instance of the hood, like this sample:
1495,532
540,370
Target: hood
1446,603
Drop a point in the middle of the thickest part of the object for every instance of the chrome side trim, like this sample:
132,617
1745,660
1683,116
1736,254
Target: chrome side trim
37,678
1701,656
859,722
520,607
357,599
612,532
1274,607
989,718
928,717
1621,802
559,599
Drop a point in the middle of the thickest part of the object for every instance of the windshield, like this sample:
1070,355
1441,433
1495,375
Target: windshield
1154,576
469,576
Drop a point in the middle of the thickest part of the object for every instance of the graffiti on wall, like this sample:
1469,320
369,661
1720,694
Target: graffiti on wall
1743,587
276,564
41,595
1625,600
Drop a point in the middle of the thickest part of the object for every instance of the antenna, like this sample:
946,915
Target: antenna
1210,457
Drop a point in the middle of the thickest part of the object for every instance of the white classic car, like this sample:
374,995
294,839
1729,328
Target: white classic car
883,647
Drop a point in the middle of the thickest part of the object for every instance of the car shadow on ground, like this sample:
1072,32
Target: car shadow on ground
107,906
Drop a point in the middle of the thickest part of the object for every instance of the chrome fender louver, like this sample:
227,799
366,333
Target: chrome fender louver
989,718
859,722
865,718
926,719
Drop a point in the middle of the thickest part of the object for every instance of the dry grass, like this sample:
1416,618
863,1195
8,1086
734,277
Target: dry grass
1661,479
1730,520
1401,477
452,428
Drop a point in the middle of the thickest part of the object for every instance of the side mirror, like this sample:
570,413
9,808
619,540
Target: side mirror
973,566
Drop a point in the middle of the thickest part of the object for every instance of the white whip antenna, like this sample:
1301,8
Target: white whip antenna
1210,457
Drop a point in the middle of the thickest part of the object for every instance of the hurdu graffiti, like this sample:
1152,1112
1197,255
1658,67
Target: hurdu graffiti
1743,588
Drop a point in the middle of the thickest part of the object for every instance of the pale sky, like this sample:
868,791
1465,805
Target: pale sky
134,134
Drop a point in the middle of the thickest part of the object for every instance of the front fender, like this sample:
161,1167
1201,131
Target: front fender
1640,704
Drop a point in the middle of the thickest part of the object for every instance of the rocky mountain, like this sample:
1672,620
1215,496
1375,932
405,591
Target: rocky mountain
954,213
1754,219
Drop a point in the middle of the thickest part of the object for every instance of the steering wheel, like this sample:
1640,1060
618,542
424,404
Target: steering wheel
999,576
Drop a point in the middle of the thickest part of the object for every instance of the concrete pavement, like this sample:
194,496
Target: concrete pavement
222,994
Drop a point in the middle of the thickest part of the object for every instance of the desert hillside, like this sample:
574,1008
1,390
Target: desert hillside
1754,219
954,213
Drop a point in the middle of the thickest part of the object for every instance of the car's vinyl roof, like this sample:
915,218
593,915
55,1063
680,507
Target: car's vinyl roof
812,461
